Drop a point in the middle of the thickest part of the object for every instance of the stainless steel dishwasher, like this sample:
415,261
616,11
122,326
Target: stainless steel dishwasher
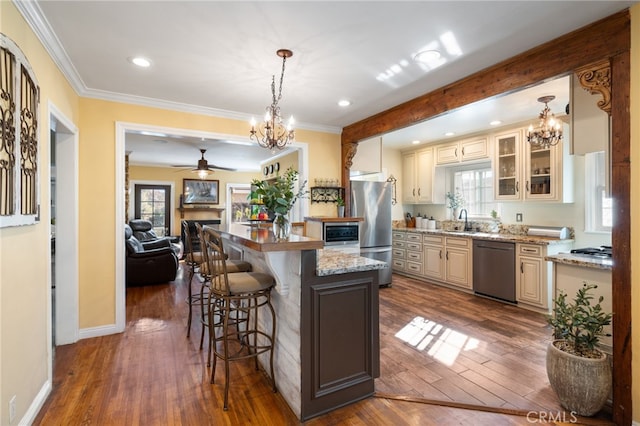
494,269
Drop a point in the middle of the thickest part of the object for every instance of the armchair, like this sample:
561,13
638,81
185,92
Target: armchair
151,262
143,231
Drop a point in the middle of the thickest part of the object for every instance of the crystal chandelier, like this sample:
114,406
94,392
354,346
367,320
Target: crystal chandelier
549,131
272,133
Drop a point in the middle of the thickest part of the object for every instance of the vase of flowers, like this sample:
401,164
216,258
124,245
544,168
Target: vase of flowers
455,201
279,195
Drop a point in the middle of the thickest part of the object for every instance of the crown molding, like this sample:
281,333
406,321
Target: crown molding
32,13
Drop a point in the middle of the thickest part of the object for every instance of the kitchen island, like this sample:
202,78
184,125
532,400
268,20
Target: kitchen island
327,352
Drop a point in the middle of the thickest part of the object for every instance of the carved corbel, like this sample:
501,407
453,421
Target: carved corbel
596,78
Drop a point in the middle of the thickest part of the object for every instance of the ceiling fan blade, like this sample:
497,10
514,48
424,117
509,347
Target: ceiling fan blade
213,166
183,165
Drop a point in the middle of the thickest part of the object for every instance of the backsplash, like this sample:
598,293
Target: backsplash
481,226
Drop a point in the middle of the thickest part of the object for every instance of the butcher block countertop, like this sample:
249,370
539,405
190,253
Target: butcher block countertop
326,219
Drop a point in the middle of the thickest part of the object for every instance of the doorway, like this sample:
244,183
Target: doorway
152,202
63,144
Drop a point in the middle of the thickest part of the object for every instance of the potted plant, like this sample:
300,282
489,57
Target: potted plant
455,201
578,371
278,196
340,204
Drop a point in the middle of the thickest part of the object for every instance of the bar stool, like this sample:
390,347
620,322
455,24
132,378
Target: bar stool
233,266
241,294
193,260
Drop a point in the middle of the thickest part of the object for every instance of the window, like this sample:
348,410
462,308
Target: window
238,208
152,204
476,187
598,205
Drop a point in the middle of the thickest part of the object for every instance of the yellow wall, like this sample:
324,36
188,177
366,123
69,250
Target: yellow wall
168,174
24,263
635,209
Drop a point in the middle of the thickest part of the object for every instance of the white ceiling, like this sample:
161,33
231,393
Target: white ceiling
217,58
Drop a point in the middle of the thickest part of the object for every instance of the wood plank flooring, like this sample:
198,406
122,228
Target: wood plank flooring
447,358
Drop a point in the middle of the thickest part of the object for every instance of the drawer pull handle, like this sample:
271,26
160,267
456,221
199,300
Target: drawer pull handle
521,267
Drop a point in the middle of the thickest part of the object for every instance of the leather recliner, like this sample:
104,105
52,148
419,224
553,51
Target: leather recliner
143,231
151,262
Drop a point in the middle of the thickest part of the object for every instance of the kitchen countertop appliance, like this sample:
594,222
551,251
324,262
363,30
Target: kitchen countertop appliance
494,269
343,235
372,201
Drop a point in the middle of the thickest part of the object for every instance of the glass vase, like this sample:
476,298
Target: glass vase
281,226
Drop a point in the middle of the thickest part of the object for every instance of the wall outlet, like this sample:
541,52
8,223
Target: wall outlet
518,217
12,409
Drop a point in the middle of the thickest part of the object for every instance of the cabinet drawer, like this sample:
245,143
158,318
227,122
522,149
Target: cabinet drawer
414,267
414,237
530,250
458,242
414,256
414,246
398,235
398,244
398,264
398,253
433,239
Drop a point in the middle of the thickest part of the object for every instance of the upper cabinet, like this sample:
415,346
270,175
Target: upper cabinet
464,150
525,171
421,181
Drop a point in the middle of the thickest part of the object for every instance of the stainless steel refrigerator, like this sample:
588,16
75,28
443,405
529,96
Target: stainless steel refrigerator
372,201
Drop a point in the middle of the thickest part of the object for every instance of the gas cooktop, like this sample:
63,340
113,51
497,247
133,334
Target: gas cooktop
602,251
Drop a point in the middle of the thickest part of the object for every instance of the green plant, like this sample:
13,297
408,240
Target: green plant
455,200
340,201
580,324
278,195
494,214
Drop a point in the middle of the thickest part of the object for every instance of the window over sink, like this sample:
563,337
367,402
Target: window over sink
475,183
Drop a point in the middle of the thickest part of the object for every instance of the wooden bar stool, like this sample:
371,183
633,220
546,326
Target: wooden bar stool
193,260
241,294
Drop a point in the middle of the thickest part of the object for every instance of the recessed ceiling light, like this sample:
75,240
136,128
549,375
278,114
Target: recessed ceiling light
415,142
426,56
140,61
449,134
495,122
344,102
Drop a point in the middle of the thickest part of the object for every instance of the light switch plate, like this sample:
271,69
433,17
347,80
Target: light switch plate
518,217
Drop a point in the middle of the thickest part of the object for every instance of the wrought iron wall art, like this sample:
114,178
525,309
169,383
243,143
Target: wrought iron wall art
19,97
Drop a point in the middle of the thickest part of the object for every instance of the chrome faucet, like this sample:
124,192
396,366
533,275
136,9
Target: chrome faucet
467,225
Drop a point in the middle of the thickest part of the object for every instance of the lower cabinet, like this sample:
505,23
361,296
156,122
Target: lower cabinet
448,260
459,262
534,278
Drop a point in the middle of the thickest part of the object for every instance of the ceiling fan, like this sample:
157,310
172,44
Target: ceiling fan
204,168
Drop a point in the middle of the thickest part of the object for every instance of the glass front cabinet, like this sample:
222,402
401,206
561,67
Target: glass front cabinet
525,171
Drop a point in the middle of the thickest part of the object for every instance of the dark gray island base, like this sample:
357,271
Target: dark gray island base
340,345
327,348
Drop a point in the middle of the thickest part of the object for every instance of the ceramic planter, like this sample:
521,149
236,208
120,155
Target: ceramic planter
582,384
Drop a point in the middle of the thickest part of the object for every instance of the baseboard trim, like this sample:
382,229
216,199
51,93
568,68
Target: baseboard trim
36,404
104,330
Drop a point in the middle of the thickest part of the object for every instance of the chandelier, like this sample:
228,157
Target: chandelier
549,131
272,133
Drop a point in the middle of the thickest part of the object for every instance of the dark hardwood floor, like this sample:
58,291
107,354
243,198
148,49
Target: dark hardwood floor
447,358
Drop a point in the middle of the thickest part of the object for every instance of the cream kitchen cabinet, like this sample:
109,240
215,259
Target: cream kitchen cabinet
421,182
524,171
406,252
398,251
459,262
434,257
534,275
461,151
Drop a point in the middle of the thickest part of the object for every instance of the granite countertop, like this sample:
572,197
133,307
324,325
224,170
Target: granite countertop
490,236
582,260
333,262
